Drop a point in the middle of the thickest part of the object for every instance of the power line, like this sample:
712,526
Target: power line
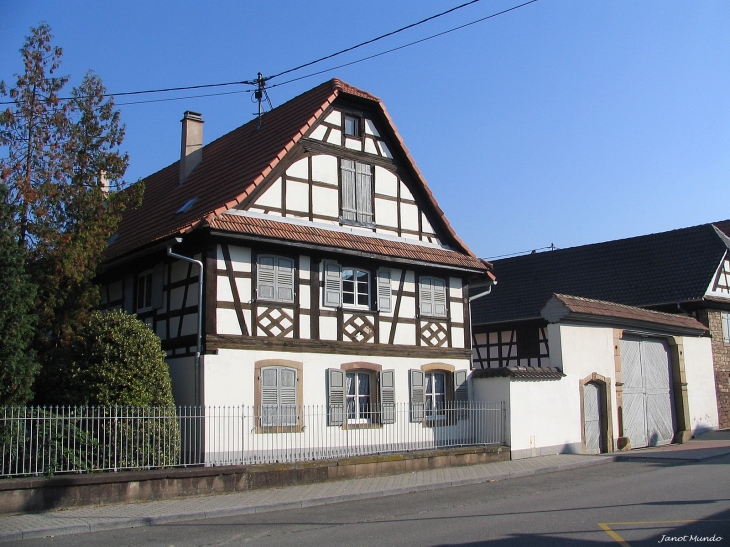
405,45
374,39
550,247
254,82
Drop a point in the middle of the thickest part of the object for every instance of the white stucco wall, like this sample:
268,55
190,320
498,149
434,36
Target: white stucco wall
582,350
229,375
700,384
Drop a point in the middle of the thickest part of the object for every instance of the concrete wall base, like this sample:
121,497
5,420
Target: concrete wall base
49,493
570,448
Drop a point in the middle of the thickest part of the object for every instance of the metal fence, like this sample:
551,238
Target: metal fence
54,440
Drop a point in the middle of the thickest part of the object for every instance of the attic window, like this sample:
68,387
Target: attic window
185,208
352,126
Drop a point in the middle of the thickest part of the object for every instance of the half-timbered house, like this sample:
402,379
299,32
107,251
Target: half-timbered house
582,311
330,275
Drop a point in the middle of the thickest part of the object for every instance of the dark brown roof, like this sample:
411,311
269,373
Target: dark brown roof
234,165
275,229
655,270
599,308
522,373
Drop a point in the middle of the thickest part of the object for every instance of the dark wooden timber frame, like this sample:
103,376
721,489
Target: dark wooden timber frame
507,346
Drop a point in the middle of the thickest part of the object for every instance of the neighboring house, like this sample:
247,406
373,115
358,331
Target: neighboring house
331,276
683,272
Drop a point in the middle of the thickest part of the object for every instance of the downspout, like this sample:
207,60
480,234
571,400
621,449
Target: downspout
200,314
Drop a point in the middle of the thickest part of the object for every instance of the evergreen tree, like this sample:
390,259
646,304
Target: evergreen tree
18,366
63,172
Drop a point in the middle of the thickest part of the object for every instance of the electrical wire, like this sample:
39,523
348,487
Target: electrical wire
550,247
254,82
403,46
455,8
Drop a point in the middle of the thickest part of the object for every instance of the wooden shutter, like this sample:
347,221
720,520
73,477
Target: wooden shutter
425,295
158,274
284,280
332,285
266,278
269,396
287,397
349,203
385,291
364,193
439,296
129,293
335,396
387,396
418,395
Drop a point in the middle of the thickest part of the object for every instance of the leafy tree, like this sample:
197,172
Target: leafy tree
18,366
64,174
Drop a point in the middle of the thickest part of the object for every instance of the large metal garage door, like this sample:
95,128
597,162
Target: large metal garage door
647,394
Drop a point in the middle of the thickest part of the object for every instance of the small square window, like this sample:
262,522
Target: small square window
356,288
352,126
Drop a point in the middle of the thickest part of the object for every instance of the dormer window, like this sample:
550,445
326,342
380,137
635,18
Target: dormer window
352,126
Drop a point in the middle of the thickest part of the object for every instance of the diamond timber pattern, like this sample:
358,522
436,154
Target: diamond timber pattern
359,328
433,334
275,322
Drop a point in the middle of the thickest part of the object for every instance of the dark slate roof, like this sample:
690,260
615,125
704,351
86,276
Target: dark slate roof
651,270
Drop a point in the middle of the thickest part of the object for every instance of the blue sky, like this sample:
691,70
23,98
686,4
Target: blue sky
562,122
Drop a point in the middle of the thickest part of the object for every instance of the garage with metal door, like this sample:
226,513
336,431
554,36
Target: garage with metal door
648,405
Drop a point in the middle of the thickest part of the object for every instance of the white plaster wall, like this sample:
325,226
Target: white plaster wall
324,169
229,375
409,216
581,351
327,328
370,128
227,321
354,144
700,384
494,390
335,137
325,201
405,334
297,196
223,289
318,132
299,169
335,118
386,212
547,411
386,183
370,146
457,337
272,196
405,193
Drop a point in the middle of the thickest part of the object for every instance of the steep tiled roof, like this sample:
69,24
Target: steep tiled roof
600,308
336,239
233,166
651,270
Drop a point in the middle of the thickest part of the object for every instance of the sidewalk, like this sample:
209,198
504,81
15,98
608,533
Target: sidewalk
92,519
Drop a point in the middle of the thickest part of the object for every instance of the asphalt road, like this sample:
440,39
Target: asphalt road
621,503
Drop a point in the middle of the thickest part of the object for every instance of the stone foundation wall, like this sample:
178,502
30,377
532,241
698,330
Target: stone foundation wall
43,494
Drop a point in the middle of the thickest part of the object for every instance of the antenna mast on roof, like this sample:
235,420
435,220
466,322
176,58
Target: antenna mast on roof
259,95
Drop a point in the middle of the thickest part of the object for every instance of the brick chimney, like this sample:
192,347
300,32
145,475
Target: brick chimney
191,149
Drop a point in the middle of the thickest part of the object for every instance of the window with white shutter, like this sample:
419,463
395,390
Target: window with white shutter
432,296
385,291
275,278
278,396
357,192
725,317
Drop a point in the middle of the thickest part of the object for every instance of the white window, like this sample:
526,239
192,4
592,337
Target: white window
275,278
357,192
357,393
356,288
278,396
144,291
352,126
432,294
435,395
725,318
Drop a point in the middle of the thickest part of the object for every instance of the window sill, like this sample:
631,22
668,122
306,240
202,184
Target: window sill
347,222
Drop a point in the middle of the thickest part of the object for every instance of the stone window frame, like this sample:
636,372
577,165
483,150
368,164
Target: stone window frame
606,411
296,365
